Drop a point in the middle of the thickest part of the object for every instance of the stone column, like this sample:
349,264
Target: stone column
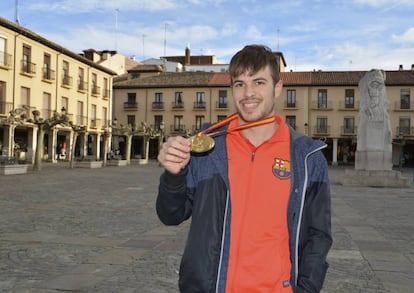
335,152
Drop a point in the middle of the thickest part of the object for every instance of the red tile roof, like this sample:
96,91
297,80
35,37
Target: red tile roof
311,78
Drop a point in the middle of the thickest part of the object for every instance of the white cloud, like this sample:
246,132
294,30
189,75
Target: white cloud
386,4
70,6
406,37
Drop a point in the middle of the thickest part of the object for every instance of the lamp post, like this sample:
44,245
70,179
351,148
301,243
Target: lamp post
162,125
114,126
401,144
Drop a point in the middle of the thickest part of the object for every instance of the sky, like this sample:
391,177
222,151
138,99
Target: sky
328,35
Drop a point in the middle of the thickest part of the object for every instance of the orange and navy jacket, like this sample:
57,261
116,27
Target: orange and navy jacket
201,191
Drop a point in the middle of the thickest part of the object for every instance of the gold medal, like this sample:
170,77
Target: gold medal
201,143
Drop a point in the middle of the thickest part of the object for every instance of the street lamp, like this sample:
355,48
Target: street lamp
162,125
402,143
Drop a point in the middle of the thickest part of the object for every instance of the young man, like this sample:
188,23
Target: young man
259,200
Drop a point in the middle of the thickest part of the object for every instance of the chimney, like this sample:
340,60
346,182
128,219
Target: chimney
187,55
401,67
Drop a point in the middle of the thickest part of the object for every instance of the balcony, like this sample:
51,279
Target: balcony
96,90
157,105
348,106
105,124
28,68
321,130
5,60
95,123
405,131
5,108
48,75
106,93
199,105
403,107
130,105
178,129
82,86
81,120
348,131
46,113
222,105
321,105
288,105
67,81
178,105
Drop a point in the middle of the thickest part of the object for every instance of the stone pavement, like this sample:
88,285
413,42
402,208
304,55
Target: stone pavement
95,230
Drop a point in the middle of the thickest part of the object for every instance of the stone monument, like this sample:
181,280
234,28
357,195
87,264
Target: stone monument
373,157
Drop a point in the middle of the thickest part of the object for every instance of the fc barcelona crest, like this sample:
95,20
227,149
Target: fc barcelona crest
281,168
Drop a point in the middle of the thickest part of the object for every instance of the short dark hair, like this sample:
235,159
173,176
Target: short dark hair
253,58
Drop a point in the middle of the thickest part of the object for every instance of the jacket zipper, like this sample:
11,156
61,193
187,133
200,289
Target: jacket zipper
305,182
222,243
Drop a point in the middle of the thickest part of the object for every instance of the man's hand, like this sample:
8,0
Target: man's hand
175,154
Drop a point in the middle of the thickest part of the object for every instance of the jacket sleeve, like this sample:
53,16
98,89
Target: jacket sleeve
174,200
315,238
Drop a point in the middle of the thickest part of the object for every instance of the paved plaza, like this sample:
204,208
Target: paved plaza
95,230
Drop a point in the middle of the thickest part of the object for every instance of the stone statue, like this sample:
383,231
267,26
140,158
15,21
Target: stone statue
374,143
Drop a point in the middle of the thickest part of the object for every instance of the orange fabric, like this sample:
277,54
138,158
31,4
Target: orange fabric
259,188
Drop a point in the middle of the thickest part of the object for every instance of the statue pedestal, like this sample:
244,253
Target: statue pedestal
374,178
373,160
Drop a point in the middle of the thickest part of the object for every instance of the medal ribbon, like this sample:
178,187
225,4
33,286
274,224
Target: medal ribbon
237,128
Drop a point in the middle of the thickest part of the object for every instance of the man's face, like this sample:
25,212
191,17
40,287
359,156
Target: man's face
255,95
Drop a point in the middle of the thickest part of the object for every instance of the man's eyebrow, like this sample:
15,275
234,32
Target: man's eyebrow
260,78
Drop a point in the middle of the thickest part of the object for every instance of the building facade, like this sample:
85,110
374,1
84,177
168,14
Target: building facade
39,75
323,105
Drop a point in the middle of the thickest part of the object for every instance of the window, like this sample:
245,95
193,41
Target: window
221,117
93,116
322,125
47,73
349,99
349,125
178,100
79,118
291,99
199,120
291,120
65,103
132,97
131,121
158,103
3,54
2,97
25,96
46,110
105,88
105,117
157,122
404,126
65,73
95,88
131,101
200,100
81,79
27,59
322,99
405,98
158,97
222,99
178,123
